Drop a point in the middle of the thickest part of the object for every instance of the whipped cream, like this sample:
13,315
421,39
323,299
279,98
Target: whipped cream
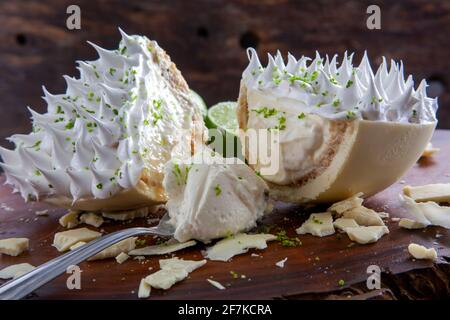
120,117
209,199
321,87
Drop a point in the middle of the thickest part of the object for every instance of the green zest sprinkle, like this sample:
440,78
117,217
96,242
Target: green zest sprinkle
336,103
286,241
181,176
350,114
301,116
315,220
349,84
123,50
70,125
333,81
281,123
266,112
414,113
141,242
37,172
59,110
157,103
112,71
99,186
116,112
234,274
374,100
341,283
218,190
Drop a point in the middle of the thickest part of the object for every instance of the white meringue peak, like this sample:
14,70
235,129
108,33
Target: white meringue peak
322,87
119,117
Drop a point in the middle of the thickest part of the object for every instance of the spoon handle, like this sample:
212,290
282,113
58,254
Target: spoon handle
27,283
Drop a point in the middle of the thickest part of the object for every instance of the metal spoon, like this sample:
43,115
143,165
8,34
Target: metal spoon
27,283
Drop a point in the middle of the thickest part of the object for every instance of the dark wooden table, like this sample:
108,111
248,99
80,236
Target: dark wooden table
207,40
312,270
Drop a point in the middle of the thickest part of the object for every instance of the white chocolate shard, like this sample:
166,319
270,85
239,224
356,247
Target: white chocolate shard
421,252
91,219
122,257
15,270
70,219
172,271
42,213
364,235
216,284
123,246
353,202
160,249
427,213
77,245
227,248
342,223
439,192
144,289
318,224
280,264
364,216
410,224
66,239
14,246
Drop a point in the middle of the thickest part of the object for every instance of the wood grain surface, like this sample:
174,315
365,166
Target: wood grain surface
207,40
312,270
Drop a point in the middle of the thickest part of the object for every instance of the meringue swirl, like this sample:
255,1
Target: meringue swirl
118,118
320,86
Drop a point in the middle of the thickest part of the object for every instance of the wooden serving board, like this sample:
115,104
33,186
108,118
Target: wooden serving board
313,270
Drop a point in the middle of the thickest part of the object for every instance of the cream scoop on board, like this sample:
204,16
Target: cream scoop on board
211,199
343,129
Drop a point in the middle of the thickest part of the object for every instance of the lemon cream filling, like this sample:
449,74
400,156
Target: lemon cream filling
209,199
127,114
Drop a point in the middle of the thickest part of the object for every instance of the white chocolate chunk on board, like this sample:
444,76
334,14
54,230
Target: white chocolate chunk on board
438,192
14,246
318,224
227,248
364,235
421,252
66,239
164,248
353,202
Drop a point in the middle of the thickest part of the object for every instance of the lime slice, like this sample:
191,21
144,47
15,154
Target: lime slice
198,100
223,116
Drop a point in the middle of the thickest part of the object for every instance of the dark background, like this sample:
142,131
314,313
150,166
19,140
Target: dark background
207,40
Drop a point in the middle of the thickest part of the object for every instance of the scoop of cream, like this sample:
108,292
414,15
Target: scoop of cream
211,199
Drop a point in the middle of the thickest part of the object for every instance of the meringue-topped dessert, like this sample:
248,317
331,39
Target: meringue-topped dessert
102,144
343,128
